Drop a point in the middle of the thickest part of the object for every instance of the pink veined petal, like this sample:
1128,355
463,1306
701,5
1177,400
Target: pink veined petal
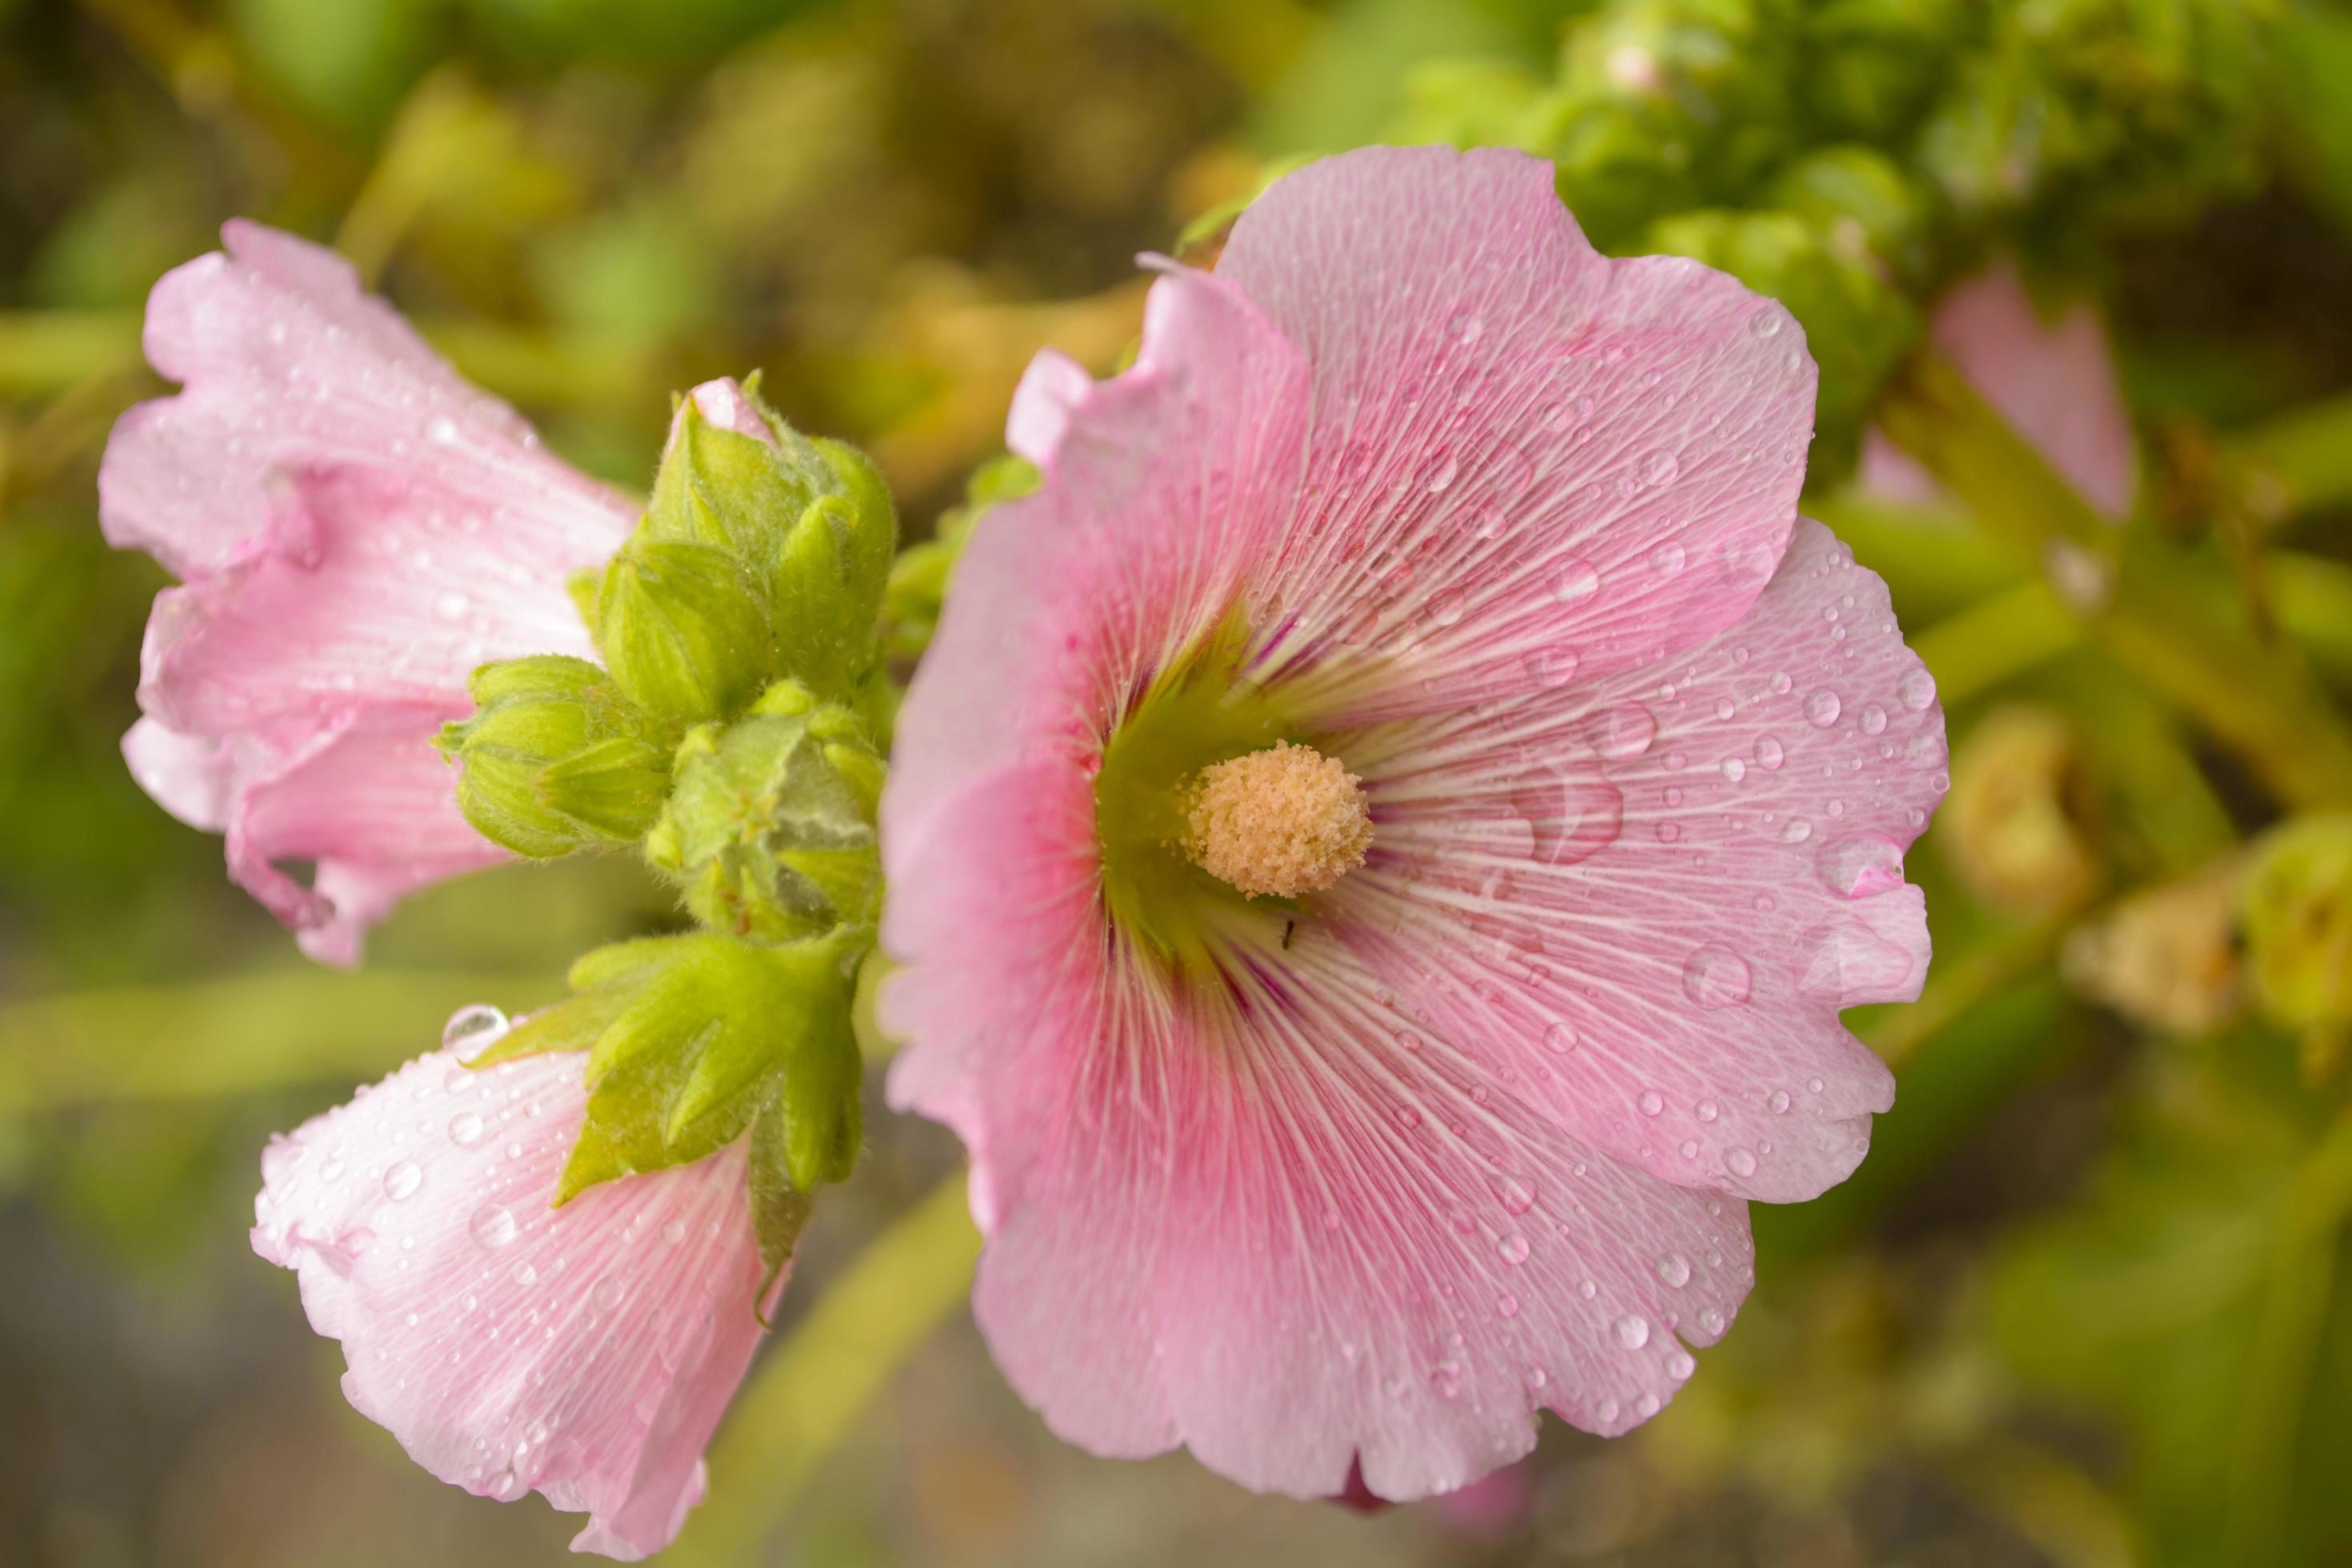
1275,1228
1525,458
722,403
1082,590
287,363
358,530
1641,904
1050,388
585,1353
2053,379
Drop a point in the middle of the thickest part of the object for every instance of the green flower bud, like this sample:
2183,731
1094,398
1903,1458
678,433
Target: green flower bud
768,829
1872,66
555,759
684,628
1858,198
763,554
2297,906
1857,323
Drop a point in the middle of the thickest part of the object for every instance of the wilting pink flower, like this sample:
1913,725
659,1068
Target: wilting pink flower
355,529
2053,379
1507,530
585,1353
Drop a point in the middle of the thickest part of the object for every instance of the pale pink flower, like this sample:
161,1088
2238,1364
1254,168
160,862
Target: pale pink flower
2053,378
1510,528
355,529
585,1352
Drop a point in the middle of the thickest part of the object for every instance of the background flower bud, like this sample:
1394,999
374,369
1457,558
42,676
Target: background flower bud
2017,824
2297,906
684,628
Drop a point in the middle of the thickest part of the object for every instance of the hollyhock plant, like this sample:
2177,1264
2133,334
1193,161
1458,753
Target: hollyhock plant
355,530
1380,841
583,1352
2053,378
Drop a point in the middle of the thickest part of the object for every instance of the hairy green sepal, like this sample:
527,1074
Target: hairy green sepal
768,829
694,1040
555,759
756,561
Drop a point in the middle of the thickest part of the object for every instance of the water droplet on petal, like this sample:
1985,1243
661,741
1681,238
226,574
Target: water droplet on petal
1652,1103
1715,976
1623,732
402,1179
1514,1247
1769,752
1513,1192
493,1225
1916,690
1561,1037
1821,707
1507,1306
1550,667
1633,1331
1675,1269
470,1028
1742,1162
465,1129
1659,468
1873,719
1575,580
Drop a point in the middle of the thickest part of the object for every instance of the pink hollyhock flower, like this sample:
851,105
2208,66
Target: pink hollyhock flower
585,1352
355,530
1597,767
2053,379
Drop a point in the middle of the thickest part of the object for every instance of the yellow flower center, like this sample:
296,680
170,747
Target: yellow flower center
1281,822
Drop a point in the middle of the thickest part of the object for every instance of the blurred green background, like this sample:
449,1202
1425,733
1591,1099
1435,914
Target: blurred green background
2086,1304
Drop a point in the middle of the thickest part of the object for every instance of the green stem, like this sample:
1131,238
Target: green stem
826,1371
2146,607
234,1036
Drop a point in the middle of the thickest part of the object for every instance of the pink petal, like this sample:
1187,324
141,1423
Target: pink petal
1275,1228
288,364
358,530
1644,904
2053,379
585,1353
1050,388
1525,457
723,402
1082,586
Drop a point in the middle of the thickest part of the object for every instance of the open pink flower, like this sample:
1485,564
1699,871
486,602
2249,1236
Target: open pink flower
2053,379
1418,484
585,1353
355,530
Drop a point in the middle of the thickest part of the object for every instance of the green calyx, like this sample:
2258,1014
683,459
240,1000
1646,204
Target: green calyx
757,559
1200,711
693,1041
554,758
769,828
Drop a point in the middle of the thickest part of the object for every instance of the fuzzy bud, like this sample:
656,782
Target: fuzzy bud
555,759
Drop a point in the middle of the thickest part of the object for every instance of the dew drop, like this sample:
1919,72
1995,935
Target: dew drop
1666,559
1575,580
1652,1103
1778,1102
1734,769
1561,1037
402,1179
1507,1306
1633,1331
1550,667
1741,1161
1675,1269
1823,708
465,1129
1873,719
1916,690
1715,976
1439,472
1769,752
1624,732
471,1027
493,1225
1465,326
1448,607
1514,1247
1513,1192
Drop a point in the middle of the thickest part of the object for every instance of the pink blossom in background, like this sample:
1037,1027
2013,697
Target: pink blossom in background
1510,530
355,529
2053,379
585,1353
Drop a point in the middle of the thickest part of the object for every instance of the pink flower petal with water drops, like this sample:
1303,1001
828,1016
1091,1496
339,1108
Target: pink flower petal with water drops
356,529
1336,1209
1525,458
1642,902
2052,377
585,1352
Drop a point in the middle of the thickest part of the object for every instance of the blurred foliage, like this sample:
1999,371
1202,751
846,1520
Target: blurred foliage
2084,1304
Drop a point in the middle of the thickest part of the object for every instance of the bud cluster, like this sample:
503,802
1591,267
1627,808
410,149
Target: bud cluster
732,730
1849,157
